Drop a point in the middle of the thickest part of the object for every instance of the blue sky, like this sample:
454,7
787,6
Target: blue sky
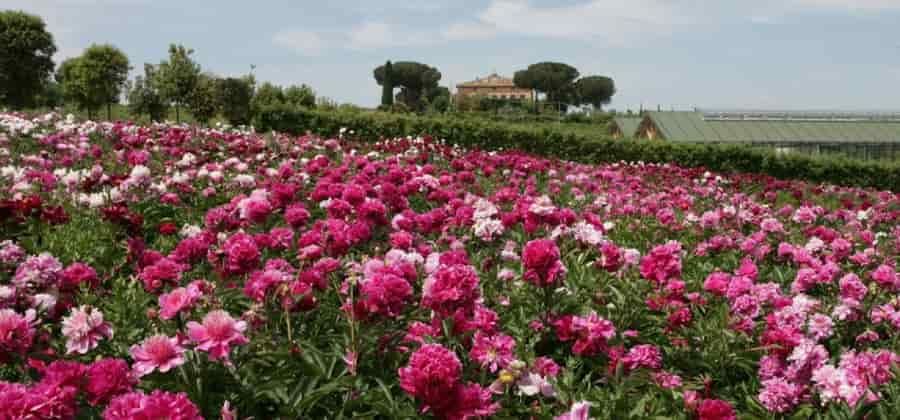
760,54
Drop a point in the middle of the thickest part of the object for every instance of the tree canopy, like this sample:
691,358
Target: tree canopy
144,96
302,95
95,78
26,58
414,79
387,85
595,90
234,100
203,99
178,76
553,79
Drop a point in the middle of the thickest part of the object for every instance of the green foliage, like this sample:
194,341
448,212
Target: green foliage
553,79
26,58
595,90
178,76
144,97
414,79
373,126
234,100
302,95
203,100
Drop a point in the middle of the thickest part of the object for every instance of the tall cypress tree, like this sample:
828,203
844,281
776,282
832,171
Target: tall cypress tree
387,87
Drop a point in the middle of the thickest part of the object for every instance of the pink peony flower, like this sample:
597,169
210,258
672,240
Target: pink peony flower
541,264
84,328
779,395
218,332
178,300
157,405
16,332
157,352
643,356
492,352
579,411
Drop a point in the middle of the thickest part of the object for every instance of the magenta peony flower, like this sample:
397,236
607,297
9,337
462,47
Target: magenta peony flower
84,328
218,332
158,405
662,263
541,263
432,375
450,288
712,409
385,294
162,272
492,352
77,274
156,352
180,299
41,401
106,379
241,254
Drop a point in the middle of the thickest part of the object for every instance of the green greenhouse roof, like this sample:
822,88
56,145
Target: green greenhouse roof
628,125
693,127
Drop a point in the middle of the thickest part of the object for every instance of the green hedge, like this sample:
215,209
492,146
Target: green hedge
372,126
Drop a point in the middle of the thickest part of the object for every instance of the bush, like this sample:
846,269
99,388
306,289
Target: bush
373,126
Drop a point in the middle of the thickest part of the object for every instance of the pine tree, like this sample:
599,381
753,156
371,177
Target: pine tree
387,87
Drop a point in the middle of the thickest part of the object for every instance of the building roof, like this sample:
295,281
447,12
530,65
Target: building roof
775,128
492,80
627,125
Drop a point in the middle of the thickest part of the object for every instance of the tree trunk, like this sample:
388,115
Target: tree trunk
109,112
177,115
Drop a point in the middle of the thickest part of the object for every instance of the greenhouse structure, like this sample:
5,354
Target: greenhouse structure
859,135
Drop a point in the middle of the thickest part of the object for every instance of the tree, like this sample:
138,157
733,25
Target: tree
266,95
144,96
387,85
50,96
595,90
234,100
203,99
438,99
413,78
302,95
74,78
105,71
553,79
26,63
177,77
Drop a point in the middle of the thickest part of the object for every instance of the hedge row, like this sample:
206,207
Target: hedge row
373,126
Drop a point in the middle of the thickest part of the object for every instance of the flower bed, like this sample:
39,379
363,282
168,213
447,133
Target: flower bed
176,272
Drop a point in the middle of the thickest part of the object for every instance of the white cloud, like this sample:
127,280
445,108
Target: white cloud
469,31
375,35
856,5
301,41
615,22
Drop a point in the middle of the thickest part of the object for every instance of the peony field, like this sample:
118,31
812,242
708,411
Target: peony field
170,271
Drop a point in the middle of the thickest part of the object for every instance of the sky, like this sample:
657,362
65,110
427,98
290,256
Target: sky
675,54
